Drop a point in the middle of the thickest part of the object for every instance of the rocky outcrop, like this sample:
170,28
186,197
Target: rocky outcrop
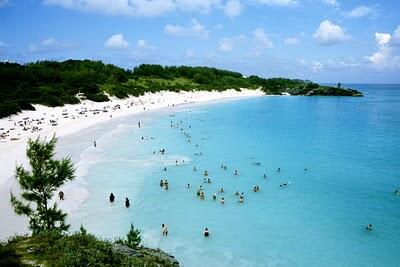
142,252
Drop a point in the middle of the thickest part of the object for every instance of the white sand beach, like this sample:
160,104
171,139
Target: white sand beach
61,121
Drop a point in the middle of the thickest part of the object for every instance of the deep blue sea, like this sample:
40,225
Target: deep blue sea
349,146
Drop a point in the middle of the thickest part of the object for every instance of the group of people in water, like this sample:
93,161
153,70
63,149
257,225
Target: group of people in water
112,199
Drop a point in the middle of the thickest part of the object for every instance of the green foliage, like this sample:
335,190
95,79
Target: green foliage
54,83
51,248
39,184
133,238
8,255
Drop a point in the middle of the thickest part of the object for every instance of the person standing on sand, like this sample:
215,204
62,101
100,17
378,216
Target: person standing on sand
61,195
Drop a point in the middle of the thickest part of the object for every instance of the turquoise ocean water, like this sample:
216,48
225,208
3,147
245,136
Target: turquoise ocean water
350,146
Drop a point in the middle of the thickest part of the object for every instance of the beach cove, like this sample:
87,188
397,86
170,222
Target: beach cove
349,181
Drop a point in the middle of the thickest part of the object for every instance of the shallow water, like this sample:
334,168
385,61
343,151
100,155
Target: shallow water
350,147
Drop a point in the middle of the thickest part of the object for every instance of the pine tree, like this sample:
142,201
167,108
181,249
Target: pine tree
133,238
39,184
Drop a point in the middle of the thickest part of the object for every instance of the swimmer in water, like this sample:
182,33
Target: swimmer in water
194,168
236,172
369,227
209,180
202,196
188,186
214,196
206,232
112,197
205,180
237,193
165,169
278,170
205,173
164,229
265,176
221,190
198,192
222,200
161,183
397,192
127,203
241,199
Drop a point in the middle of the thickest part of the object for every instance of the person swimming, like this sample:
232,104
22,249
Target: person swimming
165,169
188,186
222,200
166,186
397,192
221,190
164,229
278,170
205,180
236,172
214,196
194,168
209,180
202,196
127,203
369,227
237,193
112,197
265,176
241,199
161,183
205,173
206,232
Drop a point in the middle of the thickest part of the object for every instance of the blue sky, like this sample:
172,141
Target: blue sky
320,40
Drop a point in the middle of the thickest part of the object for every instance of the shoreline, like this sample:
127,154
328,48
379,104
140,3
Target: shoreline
13,152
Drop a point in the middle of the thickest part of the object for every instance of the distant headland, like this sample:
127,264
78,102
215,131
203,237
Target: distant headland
53,83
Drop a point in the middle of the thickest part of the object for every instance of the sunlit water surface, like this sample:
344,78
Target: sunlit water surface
350,147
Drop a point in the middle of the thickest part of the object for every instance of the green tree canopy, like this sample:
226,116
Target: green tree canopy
38,186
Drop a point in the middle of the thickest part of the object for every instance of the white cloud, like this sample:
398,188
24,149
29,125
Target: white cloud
291,41
395,40
137,7
117,41
330,34
142,44
317,67
227,44
4,44
49,45
261,39
386,56
331,2
232,8
189,53
277,2
194,30
382,39
362,11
